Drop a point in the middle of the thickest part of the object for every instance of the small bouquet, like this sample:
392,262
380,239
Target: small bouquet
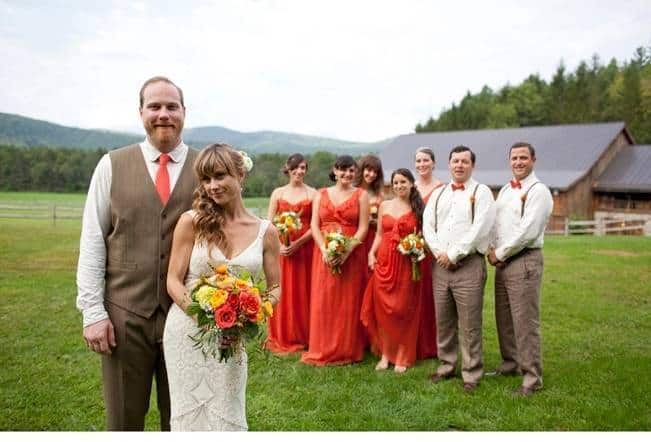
230,308
373,214
287,223
336,244
413,245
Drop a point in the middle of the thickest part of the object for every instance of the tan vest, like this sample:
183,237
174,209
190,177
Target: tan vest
139,242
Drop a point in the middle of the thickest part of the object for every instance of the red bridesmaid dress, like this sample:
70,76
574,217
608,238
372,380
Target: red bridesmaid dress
289,326
427,347
336,333
392,301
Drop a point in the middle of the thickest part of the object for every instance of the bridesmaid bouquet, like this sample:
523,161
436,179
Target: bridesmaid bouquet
373,214
287,223
413,245
230,308
336,244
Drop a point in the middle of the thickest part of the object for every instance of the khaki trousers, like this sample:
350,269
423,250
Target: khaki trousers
459,300
517,313
129,370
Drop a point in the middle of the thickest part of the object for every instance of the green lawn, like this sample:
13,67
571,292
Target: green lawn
596,321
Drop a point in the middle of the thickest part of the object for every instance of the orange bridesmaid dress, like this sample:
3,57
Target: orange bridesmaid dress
427,347
336,333
392,301
289,326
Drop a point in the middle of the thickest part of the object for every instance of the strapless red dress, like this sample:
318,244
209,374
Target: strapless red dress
336,333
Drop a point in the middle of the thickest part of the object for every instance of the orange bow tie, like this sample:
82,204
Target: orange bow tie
458,187
515,184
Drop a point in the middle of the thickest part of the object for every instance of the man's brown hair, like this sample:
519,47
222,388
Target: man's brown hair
157,79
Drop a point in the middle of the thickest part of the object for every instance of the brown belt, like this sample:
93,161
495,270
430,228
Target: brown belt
520,254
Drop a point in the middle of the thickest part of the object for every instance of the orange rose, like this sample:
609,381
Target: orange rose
225,317
249,304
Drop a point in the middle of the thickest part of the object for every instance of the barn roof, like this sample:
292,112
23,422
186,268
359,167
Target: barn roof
630,171
565,153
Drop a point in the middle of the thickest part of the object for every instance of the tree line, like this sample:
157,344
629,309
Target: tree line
46,169
594,92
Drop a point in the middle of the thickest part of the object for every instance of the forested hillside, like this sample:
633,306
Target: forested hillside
16,130
70,170
593,92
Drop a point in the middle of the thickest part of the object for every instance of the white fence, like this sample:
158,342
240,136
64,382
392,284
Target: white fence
621,224
55,212
603,225
43,211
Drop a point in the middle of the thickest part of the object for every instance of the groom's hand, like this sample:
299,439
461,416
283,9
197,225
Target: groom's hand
100,336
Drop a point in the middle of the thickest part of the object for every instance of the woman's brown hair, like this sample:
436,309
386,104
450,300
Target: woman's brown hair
370,162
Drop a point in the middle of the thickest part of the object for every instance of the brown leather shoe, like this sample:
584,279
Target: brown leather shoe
436,377
524,392
469,387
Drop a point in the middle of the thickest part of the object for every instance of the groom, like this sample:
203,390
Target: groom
135,198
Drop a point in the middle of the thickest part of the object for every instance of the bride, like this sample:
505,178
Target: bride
207,395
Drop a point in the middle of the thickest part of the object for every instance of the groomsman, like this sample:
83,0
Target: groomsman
456,226
135,198
523,208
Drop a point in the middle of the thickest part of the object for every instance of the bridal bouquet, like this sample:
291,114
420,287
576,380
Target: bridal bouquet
230,308
337,244
413,245
287,223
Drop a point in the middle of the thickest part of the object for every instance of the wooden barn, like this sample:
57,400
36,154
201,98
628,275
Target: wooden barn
591,169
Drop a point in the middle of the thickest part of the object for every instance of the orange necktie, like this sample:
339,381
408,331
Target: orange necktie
163,178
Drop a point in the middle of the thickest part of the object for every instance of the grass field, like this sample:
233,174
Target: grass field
596,324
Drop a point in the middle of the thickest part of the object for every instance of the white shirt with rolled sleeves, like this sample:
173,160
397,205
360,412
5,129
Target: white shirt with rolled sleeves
456,235
513,232
96,224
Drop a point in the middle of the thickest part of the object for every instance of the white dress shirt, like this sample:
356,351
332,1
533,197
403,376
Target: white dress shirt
513,232
96,225
456,235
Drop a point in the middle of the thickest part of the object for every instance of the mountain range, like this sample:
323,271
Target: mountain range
17,130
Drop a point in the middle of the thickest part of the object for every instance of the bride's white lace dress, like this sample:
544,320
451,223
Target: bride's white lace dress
207,395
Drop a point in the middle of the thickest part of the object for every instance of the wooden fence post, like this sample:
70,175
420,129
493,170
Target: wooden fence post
566,226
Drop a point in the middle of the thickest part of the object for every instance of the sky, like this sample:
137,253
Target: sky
354,70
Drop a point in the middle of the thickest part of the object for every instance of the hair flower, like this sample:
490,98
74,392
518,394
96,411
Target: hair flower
248,162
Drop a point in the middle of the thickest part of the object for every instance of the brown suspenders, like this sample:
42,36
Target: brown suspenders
436,208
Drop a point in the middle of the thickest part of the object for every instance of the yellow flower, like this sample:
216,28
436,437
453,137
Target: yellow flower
218,298
260,318
242,283
226,283
221,269
204,295
268,308
255,290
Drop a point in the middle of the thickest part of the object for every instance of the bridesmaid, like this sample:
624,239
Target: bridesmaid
371,179
336,333
392,301
426,184
289,326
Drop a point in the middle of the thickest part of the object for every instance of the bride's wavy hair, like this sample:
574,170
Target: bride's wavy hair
213,159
